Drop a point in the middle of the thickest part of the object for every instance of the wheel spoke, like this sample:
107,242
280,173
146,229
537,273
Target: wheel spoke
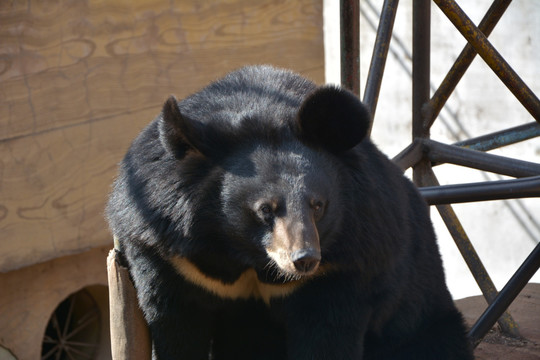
49,340
79,353
87,320
73,331
68,354
59,352
81,344
68,317
56,326
51,352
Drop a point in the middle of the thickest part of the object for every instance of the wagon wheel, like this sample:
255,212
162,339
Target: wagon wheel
73,332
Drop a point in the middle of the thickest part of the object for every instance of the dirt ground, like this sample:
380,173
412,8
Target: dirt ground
526,312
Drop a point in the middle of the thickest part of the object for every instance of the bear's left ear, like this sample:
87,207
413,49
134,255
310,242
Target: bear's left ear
177,132
332,118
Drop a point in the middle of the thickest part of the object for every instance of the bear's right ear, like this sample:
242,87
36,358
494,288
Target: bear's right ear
332,118
178,133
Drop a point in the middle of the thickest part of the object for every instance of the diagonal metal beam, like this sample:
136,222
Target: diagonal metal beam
378,59
469,254
434,106
502,138
507,295
491,56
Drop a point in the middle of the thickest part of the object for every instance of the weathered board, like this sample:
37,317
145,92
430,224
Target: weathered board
79,80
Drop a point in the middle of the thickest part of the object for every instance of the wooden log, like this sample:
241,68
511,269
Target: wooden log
130,338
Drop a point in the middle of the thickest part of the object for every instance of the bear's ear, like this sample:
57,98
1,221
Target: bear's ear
332,118
178,133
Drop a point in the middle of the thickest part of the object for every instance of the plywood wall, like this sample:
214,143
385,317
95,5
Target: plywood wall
79,80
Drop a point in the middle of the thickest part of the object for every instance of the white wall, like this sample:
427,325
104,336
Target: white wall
480,104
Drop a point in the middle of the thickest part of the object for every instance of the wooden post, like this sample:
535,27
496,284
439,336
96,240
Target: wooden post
130,338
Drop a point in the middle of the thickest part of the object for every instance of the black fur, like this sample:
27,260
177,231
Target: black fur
332,118
219,178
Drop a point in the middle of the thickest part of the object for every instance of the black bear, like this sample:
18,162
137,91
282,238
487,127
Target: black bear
258,221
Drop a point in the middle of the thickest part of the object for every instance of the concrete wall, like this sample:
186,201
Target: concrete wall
29,297
503,232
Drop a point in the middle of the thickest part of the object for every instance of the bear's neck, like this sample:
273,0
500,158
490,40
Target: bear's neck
244,286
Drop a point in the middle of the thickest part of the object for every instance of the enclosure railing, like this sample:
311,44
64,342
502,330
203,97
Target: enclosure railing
423,153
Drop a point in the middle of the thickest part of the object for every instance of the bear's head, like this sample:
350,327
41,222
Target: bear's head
281,189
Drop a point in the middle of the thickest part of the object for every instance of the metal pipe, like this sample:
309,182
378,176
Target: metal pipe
433,108
420,64
502,138
472,259
378,58
496,62
421,13
350,45
484,191
409,156
443,153
416,150
507,295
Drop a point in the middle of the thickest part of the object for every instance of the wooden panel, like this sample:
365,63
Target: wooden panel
67,62
54,188
78,80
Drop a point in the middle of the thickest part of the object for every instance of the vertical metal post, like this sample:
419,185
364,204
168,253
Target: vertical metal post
420,78
350,45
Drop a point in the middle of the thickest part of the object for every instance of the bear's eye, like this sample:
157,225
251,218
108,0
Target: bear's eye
318,209
266,211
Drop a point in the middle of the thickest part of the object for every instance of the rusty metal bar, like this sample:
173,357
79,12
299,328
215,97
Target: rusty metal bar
472,259
483,191
496,62
421,63
443,153
502,138
350,44
378,59
510,291
421,13
433,108
409,156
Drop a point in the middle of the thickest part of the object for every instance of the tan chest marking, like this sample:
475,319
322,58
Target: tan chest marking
246,286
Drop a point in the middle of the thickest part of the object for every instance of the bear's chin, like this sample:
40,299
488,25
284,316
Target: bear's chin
287,276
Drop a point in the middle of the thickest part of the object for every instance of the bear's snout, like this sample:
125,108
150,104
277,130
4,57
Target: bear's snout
295,246
306,261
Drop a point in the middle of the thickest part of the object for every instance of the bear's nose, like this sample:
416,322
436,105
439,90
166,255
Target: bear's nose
305,261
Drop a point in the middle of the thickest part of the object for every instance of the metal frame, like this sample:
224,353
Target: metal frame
424,153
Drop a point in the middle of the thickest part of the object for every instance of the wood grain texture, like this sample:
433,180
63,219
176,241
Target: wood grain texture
130,337
79,80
